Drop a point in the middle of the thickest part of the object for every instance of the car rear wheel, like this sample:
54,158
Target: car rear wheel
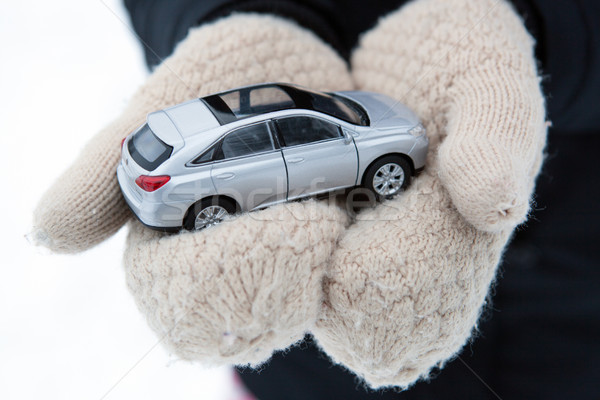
388,176
209,212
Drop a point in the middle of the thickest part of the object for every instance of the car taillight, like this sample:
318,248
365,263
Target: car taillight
152,183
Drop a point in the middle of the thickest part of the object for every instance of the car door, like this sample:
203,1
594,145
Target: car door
318,156
249,167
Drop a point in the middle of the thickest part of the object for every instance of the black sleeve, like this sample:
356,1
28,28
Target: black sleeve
567,33
161,24
569,51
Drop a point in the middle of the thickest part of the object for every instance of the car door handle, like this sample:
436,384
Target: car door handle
226,175
295,160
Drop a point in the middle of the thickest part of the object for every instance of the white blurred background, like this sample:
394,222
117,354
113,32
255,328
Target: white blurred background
68,327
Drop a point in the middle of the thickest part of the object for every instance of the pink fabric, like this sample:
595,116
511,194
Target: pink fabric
239,390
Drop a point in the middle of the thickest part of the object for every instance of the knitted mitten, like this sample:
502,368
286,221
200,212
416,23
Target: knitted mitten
235,292
408,281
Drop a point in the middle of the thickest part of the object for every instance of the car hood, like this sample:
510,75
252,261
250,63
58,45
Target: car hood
384,112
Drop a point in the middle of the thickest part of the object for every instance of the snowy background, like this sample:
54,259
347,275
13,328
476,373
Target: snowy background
68,327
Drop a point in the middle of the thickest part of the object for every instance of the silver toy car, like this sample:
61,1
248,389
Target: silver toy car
193,164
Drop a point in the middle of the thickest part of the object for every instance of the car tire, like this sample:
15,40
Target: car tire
388,176
212,210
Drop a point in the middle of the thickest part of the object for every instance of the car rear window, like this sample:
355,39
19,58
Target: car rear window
147,149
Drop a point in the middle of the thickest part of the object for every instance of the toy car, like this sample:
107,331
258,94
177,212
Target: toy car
193,164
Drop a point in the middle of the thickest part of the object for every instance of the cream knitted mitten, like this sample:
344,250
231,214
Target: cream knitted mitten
237,292
404,287
409,278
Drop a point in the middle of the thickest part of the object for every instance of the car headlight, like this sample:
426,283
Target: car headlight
417,131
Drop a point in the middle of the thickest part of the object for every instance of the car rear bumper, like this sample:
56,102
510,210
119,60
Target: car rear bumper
159,216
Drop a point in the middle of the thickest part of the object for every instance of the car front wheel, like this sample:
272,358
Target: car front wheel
209,212
388,176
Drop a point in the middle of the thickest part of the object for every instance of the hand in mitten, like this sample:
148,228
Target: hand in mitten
406,285
237,291
407,282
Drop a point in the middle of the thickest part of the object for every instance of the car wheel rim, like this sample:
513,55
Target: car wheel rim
210,216
388,179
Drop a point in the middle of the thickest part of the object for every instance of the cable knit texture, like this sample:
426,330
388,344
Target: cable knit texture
408,281
400,289
237,293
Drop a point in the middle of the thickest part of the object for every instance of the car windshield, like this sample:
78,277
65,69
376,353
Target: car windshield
254,100
147,149
341,108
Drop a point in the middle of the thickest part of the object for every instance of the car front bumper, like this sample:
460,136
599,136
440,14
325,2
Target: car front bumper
419,152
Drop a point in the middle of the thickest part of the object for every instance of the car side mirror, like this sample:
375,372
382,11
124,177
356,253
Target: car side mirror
347,137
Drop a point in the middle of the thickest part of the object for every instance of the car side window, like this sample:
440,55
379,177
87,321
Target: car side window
303,130
246,141
206,156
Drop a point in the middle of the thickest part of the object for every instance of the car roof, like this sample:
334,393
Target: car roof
252,100
201,121
191,117
182,122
